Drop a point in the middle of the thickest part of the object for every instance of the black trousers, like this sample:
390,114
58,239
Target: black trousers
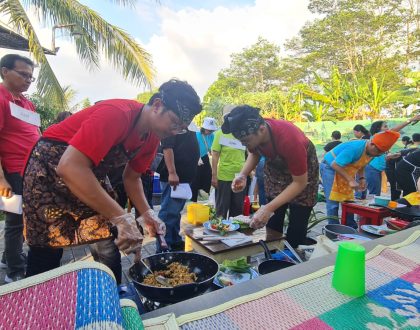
202,179
43,259
227,200
298,222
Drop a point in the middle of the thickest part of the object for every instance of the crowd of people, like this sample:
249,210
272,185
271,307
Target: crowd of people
76,177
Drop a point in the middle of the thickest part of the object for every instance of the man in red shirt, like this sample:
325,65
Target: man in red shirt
17,136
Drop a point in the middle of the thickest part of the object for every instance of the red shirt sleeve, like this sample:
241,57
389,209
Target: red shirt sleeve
100,132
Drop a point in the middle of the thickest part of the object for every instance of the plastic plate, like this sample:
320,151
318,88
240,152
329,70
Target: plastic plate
232,226
235,277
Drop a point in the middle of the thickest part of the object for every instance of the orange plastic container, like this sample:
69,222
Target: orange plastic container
197,214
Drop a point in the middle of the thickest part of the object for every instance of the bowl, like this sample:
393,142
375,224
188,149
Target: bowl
333,230
382,201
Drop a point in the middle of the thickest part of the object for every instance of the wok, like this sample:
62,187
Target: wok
409,213
204,267
271,265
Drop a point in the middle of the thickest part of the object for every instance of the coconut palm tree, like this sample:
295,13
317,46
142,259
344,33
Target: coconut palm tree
97,38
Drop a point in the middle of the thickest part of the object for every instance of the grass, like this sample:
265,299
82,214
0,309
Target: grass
320,132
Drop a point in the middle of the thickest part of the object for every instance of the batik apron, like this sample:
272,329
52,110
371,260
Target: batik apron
341,190
53,215
277,176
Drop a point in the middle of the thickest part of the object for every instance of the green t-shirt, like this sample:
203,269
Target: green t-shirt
232,155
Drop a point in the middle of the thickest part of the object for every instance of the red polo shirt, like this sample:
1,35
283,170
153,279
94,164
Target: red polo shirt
95,130
291,144
16,136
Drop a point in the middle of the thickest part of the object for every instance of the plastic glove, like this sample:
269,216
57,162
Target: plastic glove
239,183
200,162
129,238
261,217
149,221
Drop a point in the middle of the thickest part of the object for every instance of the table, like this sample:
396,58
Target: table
220,251
371,215
301,297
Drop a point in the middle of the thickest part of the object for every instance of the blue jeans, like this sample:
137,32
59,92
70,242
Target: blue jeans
259,172
170,214
327,175
373,180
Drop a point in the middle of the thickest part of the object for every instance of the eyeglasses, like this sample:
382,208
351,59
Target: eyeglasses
177,125
25,75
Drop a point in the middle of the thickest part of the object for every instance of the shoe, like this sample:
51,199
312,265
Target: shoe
14,278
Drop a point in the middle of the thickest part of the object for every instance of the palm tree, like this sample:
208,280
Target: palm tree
97,37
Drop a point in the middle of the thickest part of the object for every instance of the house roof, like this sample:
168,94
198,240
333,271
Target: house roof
12,40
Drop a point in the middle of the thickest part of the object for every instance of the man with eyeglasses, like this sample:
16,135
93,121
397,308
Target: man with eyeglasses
66,198
17,136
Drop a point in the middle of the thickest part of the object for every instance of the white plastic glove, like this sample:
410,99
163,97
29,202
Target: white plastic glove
261,217
200,162
129,238
149,221
239,183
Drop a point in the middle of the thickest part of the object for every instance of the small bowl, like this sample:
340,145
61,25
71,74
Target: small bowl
383,201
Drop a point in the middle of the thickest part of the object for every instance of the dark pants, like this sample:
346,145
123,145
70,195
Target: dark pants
392,179
227,200
202,179
13,233
43,259
298,222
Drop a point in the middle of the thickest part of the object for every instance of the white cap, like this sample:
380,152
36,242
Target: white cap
193,127
209,124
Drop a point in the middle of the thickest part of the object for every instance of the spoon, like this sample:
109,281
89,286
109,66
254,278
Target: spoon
159,278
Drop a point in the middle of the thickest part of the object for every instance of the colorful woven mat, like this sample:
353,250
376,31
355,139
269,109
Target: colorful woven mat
75,296
392,300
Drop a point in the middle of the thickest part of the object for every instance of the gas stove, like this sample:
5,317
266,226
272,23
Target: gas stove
144,305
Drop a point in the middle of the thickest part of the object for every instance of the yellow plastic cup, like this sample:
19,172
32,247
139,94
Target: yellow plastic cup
349,270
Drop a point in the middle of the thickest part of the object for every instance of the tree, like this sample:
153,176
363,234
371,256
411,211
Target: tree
255,69
98,38
145,96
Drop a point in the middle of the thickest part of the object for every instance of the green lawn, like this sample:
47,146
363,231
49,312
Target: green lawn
320,132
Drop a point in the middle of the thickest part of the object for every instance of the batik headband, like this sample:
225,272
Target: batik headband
241,128
185,114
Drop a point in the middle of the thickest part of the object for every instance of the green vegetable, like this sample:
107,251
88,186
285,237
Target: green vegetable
241,224
238,265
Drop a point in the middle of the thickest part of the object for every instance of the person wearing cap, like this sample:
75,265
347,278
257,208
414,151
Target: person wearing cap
228,158
180,155
65,197
291,169
344,162
205,139
376,167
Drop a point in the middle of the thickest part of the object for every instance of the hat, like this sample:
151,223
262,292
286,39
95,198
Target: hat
227,109
209,124
385,140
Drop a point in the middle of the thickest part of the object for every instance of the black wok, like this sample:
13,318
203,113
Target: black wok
271,265
204,267
409,213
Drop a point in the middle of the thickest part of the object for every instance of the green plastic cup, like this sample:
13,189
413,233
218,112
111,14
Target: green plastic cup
349,271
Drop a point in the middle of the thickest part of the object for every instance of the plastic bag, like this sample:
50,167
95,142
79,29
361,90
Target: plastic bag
212,197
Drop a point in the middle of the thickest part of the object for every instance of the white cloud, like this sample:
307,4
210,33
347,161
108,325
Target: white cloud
195,44
191,44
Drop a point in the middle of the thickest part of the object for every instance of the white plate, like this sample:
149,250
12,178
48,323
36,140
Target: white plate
232,226
235,277
375,230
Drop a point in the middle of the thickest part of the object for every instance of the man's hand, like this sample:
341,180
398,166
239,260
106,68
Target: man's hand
173,180
152,223
214,180
353,184
5,188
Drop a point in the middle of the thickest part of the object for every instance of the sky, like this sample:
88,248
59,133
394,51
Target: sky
190,40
